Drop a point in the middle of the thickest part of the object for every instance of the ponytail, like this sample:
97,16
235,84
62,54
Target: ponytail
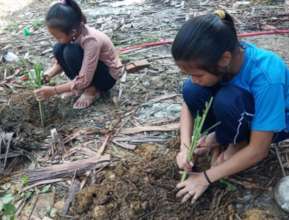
227,19
76,8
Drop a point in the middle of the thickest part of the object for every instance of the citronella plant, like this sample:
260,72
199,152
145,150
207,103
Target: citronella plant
35,79
197,133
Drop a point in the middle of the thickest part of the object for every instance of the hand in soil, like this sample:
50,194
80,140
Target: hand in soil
182,161
206,144
192,188
44,92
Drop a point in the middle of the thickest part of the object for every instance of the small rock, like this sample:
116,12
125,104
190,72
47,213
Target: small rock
255,214
281,193
59,205
99,213
241,4
10,57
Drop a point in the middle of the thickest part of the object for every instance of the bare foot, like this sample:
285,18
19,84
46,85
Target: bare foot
87,98
221,157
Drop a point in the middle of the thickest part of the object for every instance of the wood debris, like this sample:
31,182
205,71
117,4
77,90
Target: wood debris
66,169
136,65
5,142
167,127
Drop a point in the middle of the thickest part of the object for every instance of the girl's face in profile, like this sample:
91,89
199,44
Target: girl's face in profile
60,36
199,76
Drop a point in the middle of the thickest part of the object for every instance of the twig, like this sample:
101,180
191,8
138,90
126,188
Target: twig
21,206
6,139
44,182
161,98
102,148
247,185
237,216
57,146
73,189
168,127
279,159
34,204
10,155
124,145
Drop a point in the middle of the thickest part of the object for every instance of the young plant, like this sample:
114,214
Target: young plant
197,133
36,81
7,209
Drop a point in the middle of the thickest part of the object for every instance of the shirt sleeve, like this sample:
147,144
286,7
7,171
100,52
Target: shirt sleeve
91,49
269,108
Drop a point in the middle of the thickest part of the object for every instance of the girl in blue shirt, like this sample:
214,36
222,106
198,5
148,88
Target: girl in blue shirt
250,87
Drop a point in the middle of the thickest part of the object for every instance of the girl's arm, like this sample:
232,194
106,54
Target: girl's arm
186,127
47,91
62,88
53,71
256,151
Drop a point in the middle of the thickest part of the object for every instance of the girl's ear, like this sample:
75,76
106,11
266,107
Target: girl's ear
225,59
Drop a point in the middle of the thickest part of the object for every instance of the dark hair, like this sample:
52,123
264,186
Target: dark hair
65,16
204,39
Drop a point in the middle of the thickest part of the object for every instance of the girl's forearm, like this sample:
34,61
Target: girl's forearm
242,160
186,126
62,88
54,70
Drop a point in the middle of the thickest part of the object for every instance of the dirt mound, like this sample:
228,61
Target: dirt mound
23,108
139,189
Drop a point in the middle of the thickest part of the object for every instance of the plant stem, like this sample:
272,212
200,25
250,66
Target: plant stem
41,113
197,131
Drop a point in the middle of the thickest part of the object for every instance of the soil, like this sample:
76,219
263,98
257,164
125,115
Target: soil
145,188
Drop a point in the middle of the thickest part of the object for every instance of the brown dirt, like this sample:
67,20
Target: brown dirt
22,107
257,214
141,189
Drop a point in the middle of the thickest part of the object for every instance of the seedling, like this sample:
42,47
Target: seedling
35,80
197,133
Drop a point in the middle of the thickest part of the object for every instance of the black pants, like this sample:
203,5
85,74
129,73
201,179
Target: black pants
70,57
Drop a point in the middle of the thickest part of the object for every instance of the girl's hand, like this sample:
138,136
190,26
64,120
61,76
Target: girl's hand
182,161
46,78
44,92
206,144
48,75
193,187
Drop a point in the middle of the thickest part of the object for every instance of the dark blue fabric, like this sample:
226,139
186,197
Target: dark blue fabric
266,76
233,108
70,57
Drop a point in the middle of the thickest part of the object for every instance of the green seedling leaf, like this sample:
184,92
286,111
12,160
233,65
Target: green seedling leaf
7,198
229,186
24,180
45,189
36,79
36,24
27,195
1,205
9,209
26,31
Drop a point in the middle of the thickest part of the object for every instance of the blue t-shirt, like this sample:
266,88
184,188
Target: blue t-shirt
266,77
